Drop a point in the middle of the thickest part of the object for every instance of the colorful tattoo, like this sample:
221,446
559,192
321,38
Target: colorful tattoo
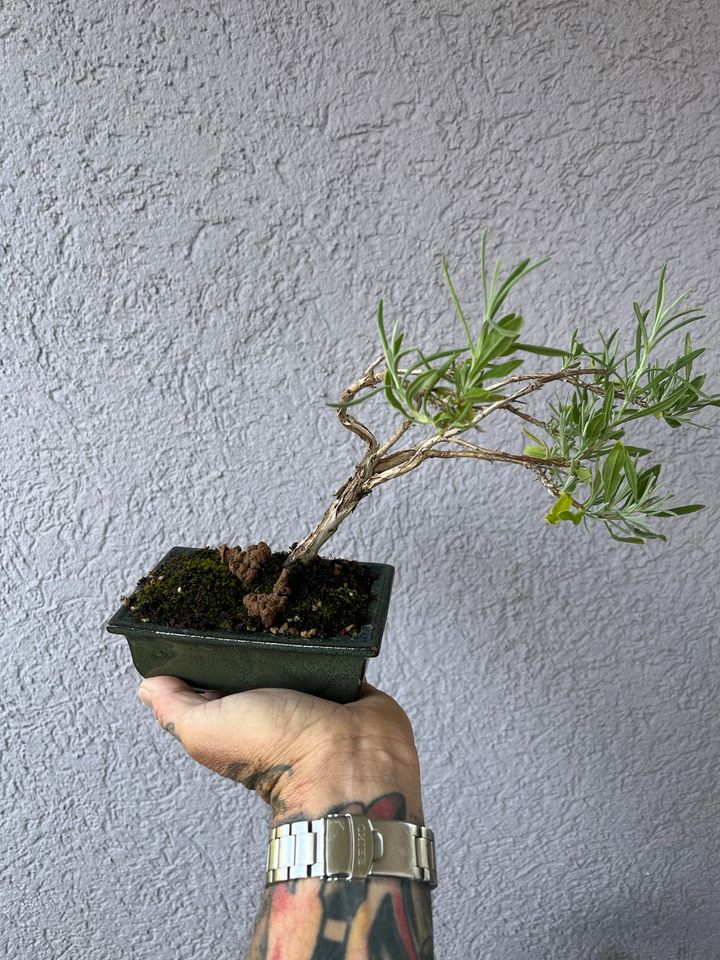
381,919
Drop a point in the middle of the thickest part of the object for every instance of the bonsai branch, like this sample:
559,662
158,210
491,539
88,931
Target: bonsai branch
511,408
404,461
537,382
379,465
367,380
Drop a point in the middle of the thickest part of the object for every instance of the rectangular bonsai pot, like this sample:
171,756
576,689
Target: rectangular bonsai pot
329,667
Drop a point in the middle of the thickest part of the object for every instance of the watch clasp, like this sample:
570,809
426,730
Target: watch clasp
351,845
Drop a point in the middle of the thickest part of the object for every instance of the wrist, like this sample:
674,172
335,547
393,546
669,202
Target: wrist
398,803
371,782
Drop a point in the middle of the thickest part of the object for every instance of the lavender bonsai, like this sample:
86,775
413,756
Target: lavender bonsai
577,446
578,449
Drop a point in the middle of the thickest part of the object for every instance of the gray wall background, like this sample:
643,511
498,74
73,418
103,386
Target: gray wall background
201,205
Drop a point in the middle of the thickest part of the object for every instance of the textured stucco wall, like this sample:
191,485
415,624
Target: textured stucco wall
200,205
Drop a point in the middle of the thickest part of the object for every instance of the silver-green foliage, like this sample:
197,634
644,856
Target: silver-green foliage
581,451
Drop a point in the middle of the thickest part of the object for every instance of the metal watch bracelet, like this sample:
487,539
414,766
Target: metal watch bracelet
351,847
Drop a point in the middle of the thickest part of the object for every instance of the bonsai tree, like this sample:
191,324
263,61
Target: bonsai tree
577,447
575,443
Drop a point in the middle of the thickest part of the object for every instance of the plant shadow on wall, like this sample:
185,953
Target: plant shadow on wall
665,928
236,618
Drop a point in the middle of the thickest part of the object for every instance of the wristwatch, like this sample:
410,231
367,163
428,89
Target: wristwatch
347,846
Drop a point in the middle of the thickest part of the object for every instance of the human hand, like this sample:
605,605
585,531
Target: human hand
303,755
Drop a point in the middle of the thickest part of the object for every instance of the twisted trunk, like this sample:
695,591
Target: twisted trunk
346,499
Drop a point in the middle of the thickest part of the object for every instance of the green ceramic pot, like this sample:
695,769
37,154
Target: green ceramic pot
329,667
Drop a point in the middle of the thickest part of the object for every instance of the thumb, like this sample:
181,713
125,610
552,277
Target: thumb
172,700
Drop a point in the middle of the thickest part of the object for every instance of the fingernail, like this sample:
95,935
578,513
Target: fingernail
144,696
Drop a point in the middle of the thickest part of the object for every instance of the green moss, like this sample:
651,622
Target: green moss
197,590
190,590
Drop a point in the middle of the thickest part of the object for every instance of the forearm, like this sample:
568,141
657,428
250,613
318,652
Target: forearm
344,920
311,919
309,758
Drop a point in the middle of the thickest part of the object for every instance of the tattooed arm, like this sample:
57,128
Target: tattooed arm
379,919
307,758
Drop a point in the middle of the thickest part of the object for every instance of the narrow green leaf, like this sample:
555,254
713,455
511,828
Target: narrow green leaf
693,318
421,382
501,370
647,480
637,414
641,315
611,471
456,302
542,351
521,270
620,539
393,400
483,396
595,425
387,350
669,315
608,401
426,381
426,361
630,472
681,511
687,358
390,396
353,403
640,341
660,299
483,268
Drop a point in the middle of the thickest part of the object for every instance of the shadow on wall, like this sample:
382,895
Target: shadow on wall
660,934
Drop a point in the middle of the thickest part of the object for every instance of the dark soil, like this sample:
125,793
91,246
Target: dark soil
324,598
